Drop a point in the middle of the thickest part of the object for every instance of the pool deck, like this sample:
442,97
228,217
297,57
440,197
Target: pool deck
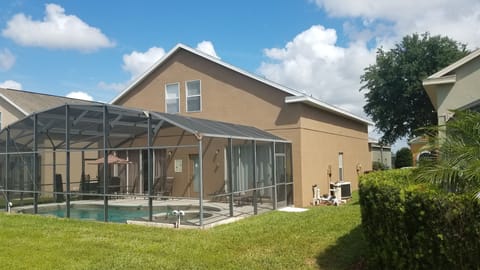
219,216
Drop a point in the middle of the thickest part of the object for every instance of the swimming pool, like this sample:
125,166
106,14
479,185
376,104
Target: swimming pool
121,214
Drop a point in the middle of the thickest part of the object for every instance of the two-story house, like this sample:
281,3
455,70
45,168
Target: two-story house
328,143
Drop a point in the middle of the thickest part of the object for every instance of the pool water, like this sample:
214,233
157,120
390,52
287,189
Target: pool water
121,214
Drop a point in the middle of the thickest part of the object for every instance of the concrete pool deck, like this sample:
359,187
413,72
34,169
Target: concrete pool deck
216,213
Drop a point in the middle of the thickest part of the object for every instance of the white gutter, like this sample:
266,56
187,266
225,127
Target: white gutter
440,80
324,106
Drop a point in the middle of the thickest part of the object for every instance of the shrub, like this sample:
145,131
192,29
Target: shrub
378,166
403,158
418,226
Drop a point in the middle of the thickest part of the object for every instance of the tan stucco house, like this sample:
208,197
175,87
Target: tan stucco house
417,145
328,143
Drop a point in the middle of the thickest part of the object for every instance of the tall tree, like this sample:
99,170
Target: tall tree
393,87
403,158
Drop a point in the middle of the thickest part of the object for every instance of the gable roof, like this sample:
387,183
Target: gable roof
445,71
30,102
445,76
302,97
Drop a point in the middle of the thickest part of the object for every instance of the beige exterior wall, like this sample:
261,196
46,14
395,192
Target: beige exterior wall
462,92
317,136
323,137
47,174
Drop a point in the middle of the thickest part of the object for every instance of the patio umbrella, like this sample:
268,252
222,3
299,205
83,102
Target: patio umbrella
111,160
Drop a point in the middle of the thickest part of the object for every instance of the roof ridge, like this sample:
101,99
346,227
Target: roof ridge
44,94
251,74
460,62
211,58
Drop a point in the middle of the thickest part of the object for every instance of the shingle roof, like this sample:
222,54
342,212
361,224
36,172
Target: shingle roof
30,102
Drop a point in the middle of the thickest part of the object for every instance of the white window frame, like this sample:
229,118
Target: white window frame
178,99
187,96
340,166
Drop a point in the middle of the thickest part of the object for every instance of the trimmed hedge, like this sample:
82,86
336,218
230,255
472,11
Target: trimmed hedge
417,226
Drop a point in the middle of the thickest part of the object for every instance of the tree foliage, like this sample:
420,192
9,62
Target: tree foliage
456,166
396,100
403,158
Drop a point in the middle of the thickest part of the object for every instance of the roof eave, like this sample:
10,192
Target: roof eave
440,80
455,65
324,106
430,84
9,101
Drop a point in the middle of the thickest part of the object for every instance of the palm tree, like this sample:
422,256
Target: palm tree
455,163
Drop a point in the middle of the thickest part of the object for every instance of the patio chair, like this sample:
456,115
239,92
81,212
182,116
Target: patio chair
165,185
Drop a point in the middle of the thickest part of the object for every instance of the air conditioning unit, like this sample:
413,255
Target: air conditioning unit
346,189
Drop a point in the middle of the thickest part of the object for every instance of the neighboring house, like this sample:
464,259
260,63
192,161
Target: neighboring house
328,143
380,153
416,147
455,87
17,104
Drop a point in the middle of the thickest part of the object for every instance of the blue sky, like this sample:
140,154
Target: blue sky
93,49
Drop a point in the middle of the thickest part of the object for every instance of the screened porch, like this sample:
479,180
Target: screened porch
53,162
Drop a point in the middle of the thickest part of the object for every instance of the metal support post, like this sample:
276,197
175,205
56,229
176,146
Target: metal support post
255,192
67,153
150,168
274,168
106,129
35,165
200,164
230,175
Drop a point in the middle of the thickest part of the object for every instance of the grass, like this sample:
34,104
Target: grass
322,238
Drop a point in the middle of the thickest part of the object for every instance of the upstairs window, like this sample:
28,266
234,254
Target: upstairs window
172,98
194,96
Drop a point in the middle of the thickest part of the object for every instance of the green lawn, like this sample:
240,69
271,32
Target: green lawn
322,238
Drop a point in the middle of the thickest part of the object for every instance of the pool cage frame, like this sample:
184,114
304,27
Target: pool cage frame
104,129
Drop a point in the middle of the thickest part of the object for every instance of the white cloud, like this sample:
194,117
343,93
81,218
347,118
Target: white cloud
7,59
207,47
79,95
315,63
136,63
312,62
112,86
57,30
11,84
455,19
